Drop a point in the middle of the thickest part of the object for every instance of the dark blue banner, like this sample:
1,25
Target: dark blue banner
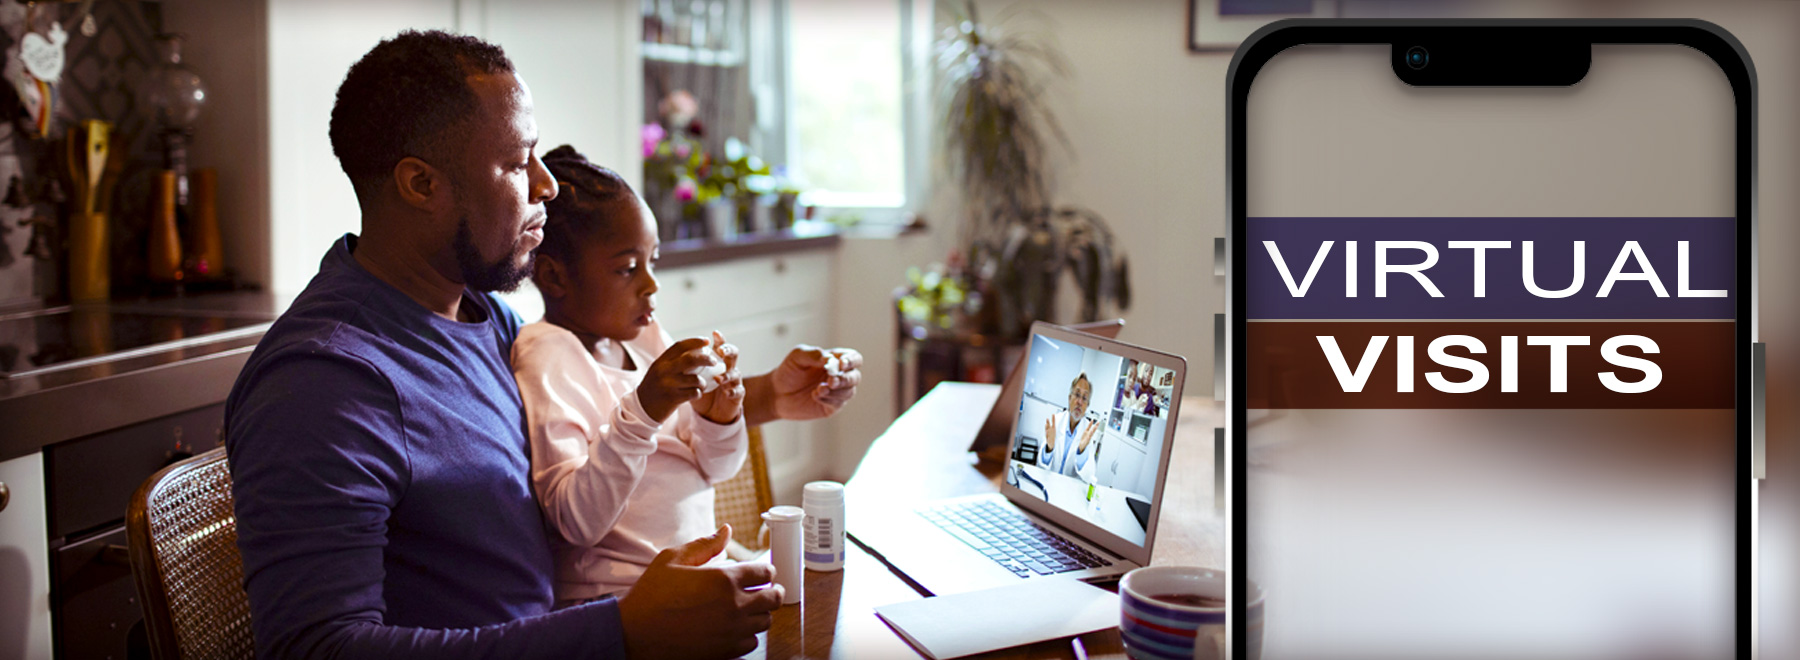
1490,268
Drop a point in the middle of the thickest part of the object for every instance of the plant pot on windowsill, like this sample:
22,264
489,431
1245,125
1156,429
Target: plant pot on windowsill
756,213
787,203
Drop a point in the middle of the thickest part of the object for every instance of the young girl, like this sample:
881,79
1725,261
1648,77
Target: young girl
621,467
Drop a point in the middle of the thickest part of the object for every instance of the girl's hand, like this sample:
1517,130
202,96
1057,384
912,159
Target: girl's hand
724,404
671,380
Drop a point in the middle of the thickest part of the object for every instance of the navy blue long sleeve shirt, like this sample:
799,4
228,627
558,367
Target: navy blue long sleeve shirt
382,485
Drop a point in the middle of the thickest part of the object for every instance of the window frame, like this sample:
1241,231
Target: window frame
916,88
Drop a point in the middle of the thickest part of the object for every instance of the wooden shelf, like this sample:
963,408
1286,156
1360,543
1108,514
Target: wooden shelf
689,55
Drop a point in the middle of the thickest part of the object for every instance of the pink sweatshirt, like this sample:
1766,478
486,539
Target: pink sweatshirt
616,486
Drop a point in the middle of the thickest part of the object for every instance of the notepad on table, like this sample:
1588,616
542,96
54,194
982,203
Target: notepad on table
1032,611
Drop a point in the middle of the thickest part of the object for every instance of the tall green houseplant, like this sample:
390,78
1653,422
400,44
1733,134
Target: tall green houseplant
997,132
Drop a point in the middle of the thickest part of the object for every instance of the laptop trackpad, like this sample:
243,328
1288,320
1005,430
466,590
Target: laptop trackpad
991,619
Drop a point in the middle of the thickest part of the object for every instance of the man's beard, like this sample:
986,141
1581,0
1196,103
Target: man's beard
502,276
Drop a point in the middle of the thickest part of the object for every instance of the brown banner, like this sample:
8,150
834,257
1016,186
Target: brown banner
1289,367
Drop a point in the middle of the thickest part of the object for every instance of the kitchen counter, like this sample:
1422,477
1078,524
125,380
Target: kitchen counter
73,371
804,235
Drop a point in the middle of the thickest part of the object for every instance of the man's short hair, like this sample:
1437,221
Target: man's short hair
402,98
1081,378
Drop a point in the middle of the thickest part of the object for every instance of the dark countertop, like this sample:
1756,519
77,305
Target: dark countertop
134,361
804,235
173,355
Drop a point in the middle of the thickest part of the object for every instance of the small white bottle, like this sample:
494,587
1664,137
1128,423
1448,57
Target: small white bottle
824,504
785,549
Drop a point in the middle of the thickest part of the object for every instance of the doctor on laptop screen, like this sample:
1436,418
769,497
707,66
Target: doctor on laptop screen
1090,433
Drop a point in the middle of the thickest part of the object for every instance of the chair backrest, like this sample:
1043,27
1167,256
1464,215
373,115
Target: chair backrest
741,500
184,555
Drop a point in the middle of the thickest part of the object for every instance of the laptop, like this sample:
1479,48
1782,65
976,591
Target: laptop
1065,509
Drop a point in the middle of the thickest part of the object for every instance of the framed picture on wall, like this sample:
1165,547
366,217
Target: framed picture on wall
1219,25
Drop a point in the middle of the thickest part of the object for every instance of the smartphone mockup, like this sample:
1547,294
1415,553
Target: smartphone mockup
1489,340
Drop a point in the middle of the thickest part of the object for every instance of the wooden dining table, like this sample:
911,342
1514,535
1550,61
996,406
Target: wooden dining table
925,455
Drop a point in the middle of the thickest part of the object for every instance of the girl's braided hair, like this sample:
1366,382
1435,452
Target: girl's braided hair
586,206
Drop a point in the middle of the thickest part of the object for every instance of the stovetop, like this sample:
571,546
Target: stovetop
58,338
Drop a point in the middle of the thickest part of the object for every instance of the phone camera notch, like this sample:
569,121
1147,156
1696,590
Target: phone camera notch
1417,57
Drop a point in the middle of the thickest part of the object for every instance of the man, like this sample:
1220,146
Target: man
376,439
1068,434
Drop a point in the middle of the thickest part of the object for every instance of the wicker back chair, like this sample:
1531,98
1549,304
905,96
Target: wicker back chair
741,500
184,554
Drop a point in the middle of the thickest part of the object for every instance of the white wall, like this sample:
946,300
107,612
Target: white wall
312,44
1145,120
868,269
579,59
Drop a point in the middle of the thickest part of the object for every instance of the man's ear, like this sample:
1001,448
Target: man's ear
420,184
550,276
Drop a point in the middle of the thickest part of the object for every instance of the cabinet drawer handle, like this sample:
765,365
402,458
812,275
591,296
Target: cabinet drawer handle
781,330
780,266
688,284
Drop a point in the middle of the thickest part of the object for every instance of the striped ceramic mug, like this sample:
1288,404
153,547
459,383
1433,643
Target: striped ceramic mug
1178,613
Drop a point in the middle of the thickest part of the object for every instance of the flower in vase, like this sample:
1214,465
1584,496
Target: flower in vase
679,107
682,149
652,135
686,189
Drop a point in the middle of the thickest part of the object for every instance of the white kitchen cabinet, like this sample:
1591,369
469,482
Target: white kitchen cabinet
764,305
24,561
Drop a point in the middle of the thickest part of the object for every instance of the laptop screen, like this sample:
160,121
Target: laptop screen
1090,434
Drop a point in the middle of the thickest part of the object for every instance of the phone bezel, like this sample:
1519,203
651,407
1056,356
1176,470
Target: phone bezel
1486,61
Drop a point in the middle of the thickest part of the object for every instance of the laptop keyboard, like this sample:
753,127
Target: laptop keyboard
1010,539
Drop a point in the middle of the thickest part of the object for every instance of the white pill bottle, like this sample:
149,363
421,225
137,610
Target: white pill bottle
824,527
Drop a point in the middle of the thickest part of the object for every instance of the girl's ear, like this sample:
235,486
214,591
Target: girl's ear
550,276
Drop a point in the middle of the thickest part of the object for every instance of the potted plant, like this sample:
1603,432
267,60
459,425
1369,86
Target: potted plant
933,302
997,132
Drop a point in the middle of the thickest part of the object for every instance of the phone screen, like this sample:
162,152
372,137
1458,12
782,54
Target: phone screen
1489,358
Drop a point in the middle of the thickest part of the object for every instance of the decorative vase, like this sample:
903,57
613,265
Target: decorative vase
90,277
668,215
165,239
206,253
785,205
721,219
177,94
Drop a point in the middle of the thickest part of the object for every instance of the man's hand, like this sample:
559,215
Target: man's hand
680,610
1049,436
1086,436
804,386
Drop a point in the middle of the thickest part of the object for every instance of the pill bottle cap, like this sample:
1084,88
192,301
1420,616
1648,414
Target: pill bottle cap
822,492
784,514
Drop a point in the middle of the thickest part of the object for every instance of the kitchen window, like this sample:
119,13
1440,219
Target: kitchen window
827,93
860,105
